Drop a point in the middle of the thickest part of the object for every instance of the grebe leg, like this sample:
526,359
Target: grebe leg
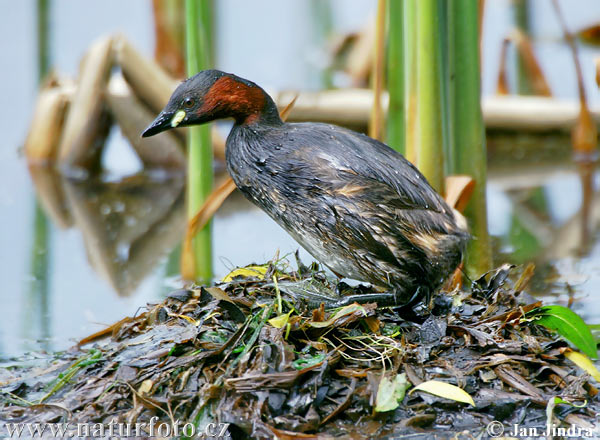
385,299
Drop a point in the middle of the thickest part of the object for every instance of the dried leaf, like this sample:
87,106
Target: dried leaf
502,87
525,278
584,135
459,189
283,114
513,314
446,390
145,387
203,216
532,66
590,35
373,323
41,145
84,125
347,310
218,293
377,118
108,331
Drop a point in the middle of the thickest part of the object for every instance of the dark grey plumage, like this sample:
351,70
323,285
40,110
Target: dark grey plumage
354,203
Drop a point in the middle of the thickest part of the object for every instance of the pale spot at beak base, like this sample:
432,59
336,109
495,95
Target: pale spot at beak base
179,116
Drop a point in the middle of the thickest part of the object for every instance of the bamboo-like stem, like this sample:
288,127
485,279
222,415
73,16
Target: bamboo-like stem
522,20
200,155
446,115
468,131
169,34
38,291
322,29
430,109
395,76
43,40
207,19
411,79
377,72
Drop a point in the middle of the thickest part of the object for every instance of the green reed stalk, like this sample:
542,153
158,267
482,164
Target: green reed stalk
430,140
322,29
200,155
396,122
39,265
410,80
523,21
466,124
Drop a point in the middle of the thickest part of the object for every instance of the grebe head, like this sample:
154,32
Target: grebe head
210,95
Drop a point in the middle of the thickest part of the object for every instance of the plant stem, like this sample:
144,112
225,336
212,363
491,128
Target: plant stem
377,72
200,155
410,80
522,21
430,109
43,40
467,129
322,28
38,297
395,76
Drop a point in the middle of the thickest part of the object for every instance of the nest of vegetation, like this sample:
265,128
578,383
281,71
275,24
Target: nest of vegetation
251,354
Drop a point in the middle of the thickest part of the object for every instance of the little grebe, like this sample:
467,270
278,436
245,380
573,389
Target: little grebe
354,203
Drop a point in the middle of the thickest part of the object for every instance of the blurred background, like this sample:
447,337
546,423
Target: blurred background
110,244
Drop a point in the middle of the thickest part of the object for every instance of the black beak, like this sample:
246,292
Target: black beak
160,124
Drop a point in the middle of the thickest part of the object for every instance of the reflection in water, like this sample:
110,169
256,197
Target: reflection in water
127,226
536,233
554,222
37,300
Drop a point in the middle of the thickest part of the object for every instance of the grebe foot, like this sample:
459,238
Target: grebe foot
386,299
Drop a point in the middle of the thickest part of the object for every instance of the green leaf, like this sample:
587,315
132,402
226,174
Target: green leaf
560,400
391,392
300,364
595,329
568,324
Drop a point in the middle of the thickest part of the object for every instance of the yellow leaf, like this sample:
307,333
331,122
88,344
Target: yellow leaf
187,318
443,389
145,387
247,272
281,320
583,362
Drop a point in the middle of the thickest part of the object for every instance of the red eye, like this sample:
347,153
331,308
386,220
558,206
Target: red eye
188,102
